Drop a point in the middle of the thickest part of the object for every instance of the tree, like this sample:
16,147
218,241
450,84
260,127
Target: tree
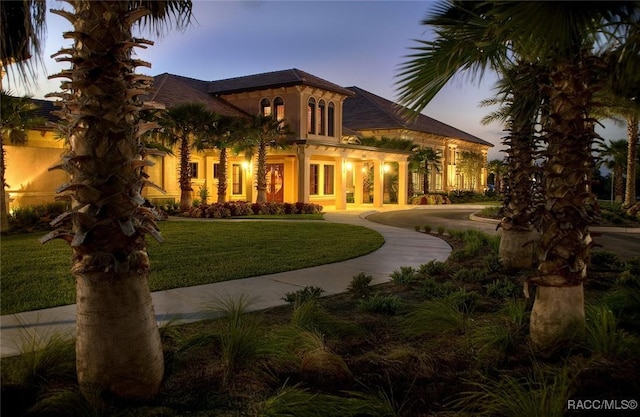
498,168
614,156
470,166
118,349
568,39
189,125
229,132
422,161
17,116
265,132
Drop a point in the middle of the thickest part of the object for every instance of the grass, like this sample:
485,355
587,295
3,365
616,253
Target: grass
194,253
450,350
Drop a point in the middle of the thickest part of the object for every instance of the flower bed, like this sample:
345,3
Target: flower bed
243,208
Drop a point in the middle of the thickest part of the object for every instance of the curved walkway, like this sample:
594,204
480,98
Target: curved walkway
402,247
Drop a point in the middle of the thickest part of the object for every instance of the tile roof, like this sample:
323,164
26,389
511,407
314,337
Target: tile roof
282,78
172,90
366,111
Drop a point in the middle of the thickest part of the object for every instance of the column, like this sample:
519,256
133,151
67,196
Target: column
378,182
358,177
403,170
303,174
341,184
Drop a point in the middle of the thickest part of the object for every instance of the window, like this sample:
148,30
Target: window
265,107
278,106
328,179
216,171
313,179
236,173
321,118
331,131
193,169
311,116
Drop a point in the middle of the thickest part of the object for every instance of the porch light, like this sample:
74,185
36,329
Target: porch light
386,168
349,166
246,166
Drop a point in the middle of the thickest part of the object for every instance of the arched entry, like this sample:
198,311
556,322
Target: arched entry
275,183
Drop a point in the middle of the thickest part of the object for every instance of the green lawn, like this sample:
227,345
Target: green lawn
36,276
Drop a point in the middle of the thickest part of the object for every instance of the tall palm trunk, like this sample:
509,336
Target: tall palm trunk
118,345
261,180
618,183
632,158
4,215
186,191
558,310
222,176
519,239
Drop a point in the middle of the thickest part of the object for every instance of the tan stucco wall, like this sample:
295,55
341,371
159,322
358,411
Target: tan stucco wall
30,181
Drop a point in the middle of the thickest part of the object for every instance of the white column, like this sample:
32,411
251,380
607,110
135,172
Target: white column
358,176
403,169
341,184
378,183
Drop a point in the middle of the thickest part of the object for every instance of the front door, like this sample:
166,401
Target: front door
275,183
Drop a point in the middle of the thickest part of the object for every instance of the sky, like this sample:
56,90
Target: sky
350,43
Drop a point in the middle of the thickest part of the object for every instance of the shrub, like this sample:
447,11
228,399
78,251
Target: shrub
435,290
430,199
381,304
432,268
405,276
492,263
303,295
435,317
502,288
469,275
606,260
360,286
427,228
602,332
244,208
36,217
440,230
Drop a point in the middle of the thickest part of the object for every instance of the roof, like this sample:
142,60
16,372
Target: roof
172,90
367,111
284,78
44,109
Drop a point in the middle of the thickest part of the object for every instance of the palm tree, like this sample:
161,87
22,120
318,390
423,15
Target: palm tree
16,118
498,168
22,27
614,156
265,132
189,125
561,36
422,161
118,348
229,132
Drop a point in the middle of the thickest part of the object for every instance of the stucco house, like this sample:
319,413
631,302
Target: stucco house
324,162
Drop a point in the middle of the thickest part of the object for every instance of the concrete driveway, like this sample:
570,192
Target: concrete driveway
623,243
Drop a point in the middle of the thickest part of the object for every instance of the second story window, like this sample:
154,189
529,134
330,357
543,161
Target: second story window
311,116
265,107
321,117
331,116
278,107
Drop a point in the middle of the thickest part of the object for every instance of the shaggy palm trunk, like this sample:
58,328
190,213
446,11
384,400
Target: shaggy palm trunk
186,191
618,184
518,241
118,345
261,180
425,179
558,311
632,158
4,216
222,176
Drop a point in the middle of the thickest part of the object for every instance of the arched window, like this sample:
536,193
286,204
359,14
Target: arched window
311,116
265,107
331,117
278,107
321,117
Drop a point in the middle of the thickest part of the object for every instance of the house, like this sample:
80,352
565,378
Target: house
324,162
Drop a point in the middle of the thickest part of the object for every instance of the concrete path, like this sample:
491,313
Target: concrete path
402,247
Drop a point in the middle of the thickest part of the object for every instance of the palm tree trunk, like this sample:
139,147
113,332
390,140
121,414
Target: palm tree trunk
118,346
261,180
632,158
222,176
618,185
426,178
558,311
115,311
4,214
186,191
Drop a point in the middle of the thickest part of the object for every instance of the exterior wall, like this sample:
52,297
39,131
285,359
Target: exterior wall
30,181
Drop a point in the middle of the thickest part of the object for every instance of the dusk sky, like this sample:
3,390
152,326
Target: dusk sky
350,43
